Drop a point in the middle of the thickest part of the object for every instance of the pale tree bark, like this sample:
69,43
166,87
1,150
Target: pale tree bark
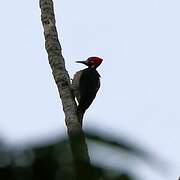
56,61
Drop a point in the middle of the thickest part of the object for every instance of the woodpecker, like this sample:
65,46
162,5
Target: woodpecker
85,84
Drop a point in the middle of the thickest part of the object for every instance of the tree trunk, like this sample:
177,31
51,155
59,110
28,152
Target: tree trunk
56,61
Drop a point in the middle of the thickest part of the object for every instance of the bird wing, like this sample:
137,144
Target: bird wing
75,84
89,85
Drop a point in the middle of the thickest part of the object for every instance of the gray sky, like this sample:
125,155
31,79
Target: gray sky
139,98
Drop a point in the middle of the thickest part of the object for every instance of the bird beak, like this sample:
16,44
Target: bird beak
83,62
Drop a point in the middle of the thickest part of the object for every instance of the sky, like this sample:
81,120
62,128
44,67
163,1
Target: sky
139,96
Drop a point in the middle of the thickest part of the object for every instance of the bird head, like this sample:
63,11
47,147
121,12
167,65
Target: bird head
92,62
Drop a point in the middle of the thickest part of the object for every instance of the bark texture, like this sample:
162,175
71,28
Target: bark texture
56,61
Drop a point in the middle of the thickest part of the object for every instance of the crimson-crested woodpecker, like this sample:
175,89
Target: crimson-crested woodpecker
85,84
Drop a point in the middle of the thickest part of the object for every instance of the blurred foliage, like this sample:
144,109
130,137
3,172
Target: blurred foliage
54,161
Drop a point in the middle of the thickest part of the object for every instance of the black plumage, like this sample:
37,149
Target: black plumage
88,86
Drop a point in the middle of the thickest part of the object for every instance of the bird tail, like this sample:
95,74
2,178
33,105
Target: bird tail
80,114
